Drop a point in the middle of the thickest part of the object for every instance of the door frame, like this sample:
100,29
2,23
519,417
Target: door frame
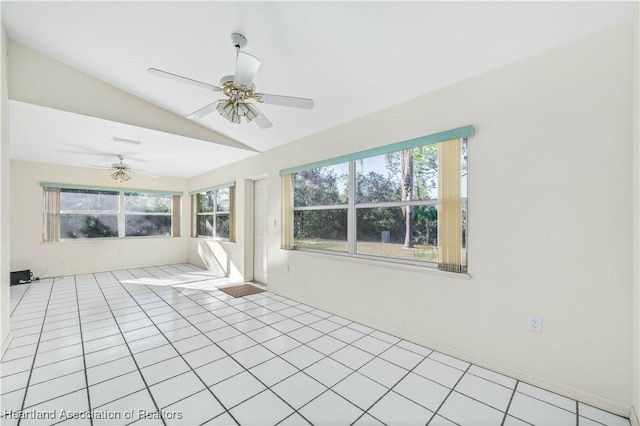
249,218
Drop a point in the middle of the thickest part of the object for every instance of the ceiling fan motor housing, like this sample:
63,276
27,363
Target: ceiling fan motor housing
238,40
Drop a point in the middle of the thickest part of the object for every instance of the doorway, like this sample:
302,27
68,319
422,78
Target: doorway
260,231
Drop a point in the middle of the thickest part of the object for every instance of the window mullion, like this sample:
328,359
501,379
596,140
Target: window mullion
121,215
214,222
351,213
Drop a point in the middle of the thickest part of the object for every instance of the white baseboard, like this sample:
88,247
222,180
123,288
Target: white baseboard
550,385
633,416
6,343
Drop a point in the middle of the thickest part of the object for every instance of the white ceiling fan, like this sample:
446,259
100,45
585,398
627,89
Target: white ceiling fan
238,90
122,172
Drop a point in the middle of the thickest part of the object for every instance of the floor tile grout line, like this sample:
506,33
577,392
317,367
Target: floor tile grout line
247,370
189,365
435,413
74,372
489,380
120,398
35,355
389,388
506,411
577,413
55,397
542,400
130,352
18,303
84,361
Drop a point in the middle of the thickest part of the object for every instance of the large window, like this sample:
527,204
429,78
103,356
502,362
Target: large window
213,213
321,204
88,213
409,205
79,213
396,204
147,214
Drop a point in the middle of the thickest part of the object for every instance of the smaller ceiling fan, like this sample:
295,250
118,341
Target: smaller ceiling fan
121,171
238,90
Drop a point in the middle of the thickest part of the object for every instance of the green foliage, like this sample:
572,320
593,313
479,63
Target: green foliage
425,228
424,170
206,202
374,187
222,226
88,200
216,200
142,202
320,224
424,219
94,213
318,187
146,225
321,187
93,227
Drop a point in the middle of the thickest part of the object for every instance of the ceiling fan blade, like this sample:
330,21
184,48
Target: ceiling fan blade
289,101
182,79
206,110
246,68
261,120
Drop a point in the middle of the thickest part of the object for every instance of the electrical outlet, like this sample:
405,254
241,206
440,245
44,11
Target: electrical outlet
535,323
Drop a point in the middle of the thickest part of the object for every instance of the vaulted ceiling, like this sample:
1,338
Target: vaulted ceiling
352,58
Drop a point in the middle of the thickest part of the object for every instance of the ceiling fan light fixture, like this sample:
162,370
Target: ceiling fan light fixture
120,175
250,113
225,109
235,110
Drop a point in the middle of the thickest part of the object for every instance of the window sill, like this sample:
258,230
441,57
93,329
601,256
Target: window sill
430,268
90,240
215,239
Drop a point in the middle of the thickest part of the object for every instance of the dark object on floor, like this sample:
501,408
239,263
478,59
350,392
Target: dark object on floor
241,290
21,277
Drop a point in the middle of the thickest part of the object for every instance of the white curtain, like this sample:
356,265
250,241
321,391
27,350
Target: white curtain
232,214
450,252
194,214
51,215
175,215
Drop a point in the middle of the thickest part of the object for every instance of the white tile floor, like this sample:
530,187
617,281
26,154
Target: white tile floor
163,345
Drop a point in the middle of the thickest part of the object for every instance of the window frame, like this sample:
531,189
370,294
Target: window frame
121,212
352,214
122,221
98,213
214,214
462,133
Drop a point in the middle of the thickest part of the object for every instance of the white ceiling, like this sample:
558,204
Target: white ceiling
352,58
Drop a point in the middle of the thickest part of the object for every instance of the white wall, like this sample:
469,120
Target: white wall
550,205
4,194
74,257
635,415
